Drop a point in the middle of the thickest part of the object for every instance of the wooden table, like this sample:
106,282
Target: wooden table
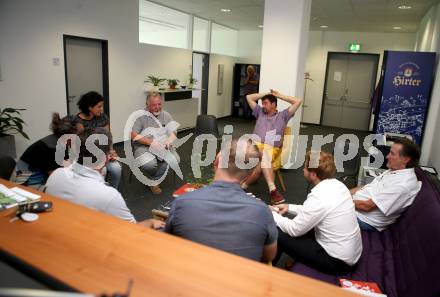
96,253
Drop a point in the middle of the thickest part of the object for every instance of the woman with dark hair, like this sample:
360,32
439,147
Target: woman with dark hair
91,106
38,160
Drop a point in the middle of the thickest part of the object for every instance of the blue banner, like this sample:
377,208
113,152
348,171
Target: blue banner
405,93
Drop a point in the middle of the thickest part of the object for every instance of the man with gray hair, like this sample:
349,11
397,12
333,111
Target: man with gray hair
222,215
152,137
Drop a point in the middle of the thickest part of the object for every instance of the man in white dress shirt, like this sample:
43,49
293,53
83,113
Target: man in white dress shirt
324,234
382,201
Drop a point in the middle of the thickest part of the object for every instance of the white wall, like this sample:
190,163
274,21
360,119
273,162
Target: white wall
428,35
322,42
31,35
427,39
224,40
285,38
249,46
219,105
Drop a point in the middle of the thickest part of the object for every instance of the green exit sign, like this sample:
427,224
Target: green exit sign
354,47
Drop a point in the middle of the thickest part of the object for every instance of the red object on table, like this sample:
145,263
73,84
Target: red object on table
186,188
364,286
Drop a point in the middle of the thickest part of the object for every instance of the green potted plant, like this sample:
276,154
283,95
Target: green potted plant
191,82
10,124
155,81
172,83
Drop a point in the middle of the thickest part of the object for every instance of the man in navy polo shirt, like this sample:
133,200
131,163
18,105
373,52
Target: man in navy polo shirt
222,215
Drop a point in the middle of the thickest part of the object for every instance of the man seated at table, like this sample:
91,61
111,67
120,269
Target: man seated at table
222,215
324,234
382,201
83,183
269,120
148,147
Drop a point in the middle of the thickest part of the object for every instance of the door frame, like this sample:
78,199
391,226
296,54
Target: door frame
205,80
326,74
105,81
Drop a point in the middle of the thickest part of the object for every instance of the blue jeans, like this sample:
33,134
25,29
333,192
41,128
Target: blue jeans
366,227
114,172
154,168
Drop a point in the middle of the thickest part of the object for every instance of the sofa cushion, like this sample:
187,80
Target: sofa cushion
403,260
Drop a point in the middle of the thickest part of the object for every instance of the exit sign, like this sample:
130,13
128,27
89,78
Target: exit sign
354,47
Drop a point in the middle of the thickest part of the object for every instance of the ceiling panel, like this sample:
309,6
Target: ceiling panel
338,15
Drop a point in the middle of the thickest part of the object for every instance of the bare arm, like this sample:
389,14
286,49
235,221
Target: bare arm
365,205
251,81
152,223
252,99
354,190
170,139
269,252
141,139
295,103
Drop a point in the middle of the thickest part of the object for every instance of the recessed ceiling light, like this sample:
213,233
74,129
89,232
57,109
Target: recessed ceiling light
397,28
225,10
404,7
260,26
323,26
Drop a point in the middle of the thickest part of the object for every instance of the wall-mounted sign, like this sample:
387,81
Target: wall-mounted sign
354,47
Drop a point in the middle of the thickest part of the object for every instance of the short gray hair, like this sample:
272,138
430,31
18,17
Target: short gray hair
152,95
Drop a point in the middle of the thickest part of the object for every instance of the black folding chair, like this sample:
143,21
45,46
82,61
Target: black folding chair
351,167
206,124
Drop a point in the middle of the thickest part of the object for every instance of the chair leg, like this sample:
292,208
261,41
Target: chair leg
280,178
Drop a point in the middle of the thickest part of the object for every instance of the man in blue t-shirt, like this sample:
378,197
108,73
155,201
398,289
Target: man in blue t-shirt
222,215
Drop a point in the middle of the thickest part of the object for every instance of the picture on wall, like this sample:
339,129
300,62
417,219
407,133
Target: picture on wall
246,81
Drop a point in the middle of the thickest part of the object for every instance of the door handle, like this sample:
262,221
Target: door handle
344,96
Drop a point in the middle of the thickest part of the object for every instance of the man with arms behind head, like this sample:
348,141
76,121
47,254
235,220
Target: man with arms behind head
222,215
324,234
270,128
382,201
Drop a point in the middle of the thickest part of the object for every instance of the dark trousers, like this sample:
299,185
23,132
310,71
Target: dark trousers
305,249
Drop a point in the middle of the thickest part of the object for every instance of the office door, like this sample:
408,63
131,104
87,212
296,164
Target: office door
200,71
349,86
85,70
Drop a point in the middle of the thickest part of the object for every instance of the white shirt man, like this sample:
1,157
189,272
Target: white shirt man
336,244
85,186
380,203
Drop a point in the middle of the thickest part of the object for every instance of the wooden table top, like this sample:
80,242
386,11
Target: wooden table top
96,253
